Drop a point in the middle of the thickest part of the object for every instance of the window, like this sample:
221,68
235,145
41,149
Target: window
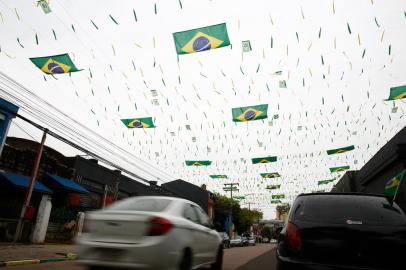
190,213
144,204
204,219
369,210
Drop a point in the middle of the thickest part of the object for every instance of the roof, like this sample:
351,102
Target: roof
22,181
63,183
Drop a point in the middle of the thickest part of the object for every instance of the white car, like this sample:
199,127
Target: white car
150,233
236,242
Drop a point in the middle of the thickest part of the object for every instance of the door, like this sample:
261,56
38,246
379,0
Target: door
196,233
210,241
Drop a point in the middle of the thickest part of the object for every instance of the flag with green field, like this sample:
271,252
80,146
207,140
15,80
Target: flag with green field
264,160
398,92
55,64
201,39
218,176
278,196
273,187
393,184
340,150
324,182
250,113
270,175
145,122
198,162
339,169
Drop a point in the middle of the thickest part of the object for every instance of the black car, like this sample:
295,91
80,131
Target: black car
342,231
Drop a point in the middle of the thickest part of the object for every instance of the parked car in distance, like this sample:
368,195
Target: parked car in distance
265,240
150,233
342,231
225,239
236,242
251,241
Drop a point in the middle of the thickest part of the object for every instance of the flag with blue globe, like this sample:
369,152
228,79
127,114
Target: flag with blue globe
55,64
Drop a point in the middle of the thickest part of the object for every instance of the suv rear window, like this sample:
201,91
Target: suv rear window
370,210
144,204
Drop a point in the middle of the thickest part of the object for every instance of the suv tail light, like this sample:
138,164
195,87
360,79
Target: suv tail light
294,237
159,226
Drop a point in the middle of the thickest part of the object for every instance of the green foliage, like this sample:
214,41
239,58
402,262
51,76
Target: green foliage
268,232
242,218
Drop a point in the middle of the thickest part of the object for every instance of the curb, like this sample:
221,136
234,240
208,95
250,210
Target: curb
68,257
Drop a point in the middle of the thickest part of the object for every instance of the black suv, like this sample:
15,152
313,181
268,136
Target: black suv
342,231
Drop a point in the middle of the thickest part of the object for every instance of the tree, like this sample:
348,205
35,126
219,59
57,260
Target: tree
268,232
242,218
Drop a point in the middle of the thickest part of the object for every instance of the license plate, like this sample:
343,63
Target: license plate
109,254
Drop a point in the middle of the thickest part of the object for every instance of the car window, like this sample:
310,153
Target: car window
369,210
144,204
190,213
204,219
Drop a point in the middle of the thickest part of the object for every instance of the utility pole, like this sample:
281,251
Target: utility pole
231,187
28,195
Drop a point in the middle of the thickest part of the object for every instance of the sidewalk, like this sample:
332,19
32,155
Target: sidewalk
18,252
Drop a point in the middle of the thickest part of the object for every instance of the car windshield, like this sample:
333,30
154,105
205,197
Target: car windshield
372,210
144,204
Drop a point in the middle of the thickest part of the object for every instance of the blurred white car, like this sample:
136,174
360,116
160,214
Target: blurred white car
152,233
236,242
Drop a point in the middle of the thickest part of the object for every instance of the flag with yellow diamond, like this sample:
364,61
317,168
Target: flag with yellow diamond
264,160
270,175
198,163
393,184
398,92
55,64
201,39
273,187
145,122
218,176
278,196
250,113
339,169
340,150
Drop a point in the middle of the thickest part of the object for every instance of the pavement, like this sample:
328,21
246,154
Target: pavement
259,257
20,254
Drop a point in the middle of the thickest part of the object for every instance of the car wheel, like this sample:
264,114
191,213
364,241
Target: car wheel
219,260
186,261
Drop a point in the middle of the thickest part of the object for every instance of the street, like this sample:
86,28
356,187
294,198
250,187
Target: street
261,256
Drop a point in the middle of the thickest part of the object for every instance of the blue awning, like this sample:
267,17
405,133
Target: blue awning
22,181
63,183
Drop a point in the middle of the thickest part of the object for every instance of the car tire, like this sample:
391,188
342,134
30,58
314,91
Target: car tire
219,260
186,261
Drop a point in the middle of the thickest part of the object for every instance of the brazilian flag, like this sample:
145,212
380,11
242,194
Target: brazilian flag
264,160
340,150
278,196
393,184
145,122
55,64
198,163
398,92
273,187
219,176
323,182
250,113
339,169
201,39
275,201
270,175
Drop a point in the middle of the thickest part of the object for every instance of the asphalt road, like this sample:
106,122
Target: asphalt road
259,257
